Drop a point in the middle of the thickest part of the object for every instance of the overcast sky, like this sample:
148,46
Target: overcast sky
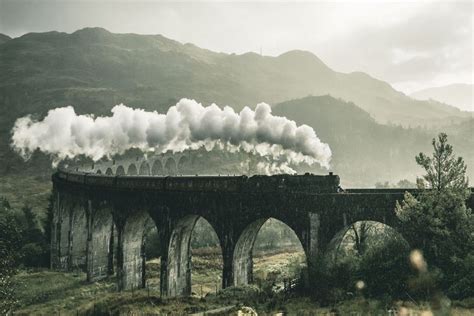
411,44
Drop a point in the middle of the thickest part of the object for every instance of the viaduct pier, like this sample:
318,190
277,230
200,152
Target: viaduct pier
100,220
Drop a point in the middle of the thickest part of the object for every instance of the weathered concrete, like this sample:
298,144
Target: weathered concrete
179,257
78,239
131,238
116,210
242,259
100,242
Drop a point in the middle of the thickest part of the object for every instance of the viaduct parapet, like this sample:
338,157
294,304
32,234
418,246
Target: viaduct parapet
100,220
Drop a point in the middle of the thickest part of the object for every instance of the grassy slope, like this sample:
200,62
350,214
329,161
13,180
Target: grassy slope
48,293
26,191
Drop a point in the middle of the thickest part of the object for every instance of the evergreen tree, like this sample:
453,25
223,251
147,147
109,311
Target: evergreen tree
437,220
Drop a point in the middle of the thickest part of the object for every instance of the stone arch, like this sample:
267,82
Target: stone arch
242,261
144,169
132,241
109,172
179,257
157,168
339,240
78,238
120,171
384,254
132,170
206,250
101,244
99,171
183,166
170,168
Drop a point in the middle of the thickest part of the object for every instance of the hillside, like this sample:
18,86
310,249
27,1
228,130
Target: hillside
94,69
4,38
459,95
366,152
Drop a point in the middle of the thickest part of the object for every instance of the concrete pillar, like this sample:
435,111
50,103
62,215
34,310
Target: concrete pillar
179,258
242,262
78,238
55,231
228,247
312,244
131,267
63,226
98,244
164,242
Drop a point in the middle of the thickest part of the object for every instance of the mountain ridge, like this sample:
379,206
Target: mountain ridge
4,38
460,95
163,69
362,148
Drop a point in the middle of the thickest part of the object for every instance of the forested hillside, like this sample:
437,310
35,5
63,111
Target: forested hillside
93,70
364,151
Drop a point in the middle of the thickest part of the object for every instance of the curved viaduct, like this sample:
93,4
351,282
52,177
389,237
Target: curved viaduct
100,220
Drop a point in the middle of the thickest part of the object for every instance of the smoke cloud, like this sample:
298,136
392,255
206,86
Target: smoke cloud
186,126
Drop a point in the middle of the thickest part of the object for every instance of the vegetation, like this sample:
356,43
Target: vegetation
94,70
379,151
22,245
373,269
438,222
30,243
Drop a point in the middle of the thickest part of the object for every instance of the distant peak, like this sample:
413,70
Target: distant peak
92,30
302,55
92,34
4,37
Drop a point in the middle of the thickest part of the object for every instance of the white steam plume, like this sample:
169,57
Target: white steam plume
186,126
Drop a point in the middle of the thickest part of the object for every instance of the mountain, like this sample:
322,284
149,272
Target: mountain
94,69
364,151
4,38
460,95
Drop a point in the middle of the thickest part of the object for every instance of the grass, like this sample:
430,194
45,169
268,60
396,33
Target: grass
54,293
26,190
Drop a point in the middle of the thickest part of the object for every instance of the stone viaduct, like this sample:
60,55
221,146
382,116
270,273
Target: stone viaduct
160,165
100,219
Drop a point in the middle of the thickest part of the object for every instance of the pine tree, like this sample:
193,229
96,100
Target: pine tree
444,170
437,220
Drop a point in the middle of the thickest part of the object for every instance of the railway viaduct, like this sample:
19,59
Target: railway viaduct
100,220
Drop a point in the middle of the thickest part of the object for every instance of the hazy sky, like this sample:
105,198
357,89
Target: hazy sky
411,44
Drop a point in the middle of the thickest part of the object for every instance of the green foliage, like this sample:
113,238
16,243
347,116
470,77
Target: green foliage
24,235
463,281
444,170
437,221
10,241
385,269
370,254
